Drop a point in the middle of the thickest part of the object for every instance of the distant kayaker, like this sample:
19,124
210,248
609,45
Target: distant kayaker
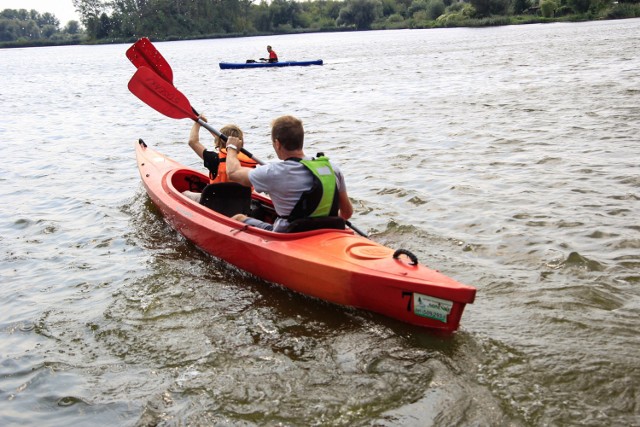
215,161
289,183
273,56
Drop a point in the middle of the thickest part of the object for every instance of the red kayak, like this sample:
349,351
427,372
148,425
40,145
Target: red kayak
335,265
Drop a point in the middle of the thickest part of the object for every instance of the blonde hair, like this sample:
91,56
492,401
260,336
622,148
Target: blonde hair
229,130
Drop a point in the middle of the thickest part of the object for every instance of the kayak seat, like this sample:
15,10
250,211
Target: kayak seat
308,224
227,198
195,183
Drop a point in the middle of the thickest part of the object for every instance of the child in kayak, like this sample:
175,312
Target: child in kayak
215,161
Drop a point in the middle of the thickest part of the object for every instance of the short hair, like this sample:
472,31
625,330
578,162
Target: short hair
228,130
289,131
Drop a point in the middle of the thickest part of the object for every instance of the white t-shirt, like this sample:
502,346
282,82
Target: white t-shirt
285,182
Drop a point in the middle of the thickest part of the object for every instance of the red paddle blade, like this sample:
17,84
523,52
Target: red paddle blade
144,54
160,95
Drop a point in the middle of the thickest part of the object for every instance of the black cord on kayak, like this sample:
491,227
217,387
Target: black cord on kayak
412,257
356,229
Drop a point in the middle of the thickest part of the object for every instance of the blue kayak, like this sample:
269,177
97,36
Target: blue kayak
236,65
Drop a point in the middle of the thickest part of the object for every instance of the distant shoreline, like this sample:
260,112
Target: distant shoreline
79,40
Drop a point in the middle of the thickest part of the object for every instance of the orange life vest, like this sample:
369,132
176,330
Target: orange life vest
245,161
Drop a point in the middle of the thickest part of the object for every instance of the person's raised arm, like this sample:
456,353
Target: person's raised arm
194,138
235,172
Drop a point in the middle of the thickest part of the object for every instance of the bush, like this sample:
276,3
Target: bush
455,15
520,6
417,6
456,7
393,22
435,8
564,11
623,10
548,8
324,23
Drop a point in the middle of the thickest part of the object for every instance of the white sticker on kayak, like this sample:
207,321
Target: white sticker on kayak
431,307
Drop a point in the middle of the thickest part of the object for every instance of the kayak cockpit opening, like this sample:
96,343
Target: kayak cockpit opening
227,198
230,198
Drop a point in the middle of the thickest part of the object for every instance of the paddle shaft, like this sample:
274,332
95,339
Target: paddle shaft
163,97
356,229
224,138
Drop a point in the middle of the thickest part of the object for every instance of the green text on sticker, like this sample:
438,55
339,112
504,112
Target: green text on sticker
431,308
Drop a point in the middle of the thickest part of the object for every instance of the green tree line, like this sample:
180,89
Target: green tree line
201,18
21,25
123,20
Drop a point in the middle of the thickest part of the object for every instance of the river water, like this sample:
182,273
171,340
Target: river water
505,157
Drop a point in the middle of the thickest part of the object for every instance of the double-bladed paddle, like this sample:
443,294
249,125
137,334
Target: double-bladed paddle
163,97
153,84
144,54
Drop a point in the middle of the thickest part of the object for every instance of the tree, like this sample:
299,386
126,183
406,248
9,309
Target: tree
320,13
262,19
90,11
519,6
8,30
360,13
104,27
72,27
48,31
391,7
417,6
490,7
456,13
434,9
31,31
283,13
548,8
26,25
48,19
579,6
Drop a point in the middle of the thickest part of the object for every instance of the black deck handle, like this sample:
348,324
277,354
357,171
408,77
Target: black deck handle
412,257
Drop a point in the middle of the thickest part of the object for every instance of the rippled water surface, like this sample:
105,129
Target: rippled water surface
505,157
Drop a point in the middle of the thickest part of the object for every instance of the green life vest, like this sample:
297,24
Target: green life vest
322,199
